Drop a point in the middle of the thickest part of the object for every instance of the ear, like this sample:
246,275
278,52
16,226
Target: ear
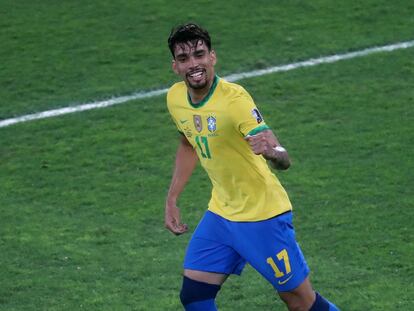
213,57
174,66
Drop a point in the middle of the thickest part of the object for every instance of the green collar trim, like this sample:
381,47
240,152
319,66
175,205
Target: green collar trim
205,99
258,129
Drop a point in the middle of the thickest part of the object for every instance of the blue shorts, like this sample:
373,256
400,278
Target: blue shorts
269,246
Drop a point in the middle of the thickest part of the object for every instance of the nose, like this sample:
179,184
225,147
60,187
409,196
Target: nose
193,62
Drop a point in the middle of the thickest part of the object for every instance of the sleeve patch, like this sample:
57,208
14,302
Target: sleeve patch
257,115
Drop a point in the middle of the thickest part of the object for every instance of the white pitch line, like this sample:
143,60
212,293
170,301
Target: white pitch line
231,78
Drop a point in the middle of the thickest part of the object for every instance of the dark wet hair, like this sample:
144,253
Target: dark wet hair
190,32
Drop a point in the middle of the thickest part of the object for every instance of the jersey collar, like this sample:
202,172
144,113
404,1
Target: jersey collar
207,97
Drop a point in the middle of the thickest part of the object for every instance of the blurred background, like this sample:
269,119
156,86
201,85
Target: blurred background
82,195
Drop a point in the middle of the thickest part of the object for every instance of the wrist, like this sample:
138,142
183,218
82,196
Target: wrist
276,153
171,201
279,149
280,158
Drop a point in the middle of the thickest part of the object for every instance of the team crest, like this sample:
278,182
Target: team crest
198,124
256,114
211,123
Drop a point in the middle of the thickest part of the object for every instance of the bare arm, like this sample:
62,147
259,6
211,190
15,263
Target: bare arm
264,143
185,162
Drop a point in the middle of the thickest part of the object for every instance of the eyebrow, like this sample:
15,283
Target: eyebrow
185,54
198,50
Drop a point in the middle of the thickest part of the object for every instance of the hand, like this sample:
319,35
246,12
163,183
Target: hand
172,219
263,143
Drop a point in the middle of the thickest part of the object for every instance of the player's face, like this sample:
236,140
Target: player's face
195,64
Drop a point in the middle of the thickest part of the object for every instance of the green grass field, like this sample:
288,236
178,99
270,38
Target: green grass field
82,195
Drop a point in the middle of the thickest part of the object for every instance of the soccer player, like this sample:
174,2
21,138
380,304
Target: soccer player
249,218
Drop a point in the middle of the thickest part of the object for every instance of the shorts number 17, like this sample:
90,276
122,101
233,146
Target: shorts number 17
283,255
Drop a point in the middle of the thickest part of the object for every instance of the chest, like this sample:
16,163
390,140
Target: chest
209,130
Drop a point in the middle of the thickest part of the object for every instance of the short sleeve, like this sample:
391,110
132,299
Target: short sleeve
172,115
176,123
246,116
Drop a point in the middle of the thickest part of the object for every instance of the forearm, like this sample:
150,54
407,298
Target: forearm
267,144
185,162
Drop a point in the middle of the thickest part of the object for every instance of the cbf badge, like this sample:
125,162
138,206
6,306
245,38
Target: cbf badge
197,123
211,123
256,114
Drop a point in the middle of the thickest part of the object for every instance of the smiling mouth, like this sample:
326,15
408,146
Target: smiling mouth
197,74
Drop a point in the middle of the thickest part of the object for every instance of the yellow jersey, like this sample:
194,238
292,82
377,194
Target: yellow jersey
244,187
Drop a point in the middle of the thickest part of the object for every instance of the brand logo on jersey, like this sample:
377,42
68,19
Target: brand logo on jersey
211,123
256,114
198,124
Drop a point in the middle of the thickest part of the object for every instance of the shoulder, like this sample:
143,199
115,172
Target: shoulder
176,88
232,89
236,94
175,93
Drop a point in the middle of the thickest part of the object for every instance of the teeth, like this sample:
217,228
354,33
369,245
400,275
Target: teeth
196,74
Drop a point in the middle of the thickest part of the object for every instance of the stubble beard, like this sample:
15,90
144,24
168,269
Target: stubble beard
197,86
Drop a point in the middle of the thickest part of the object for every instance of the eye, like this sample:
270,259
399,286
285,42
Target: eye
199,54
181,59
